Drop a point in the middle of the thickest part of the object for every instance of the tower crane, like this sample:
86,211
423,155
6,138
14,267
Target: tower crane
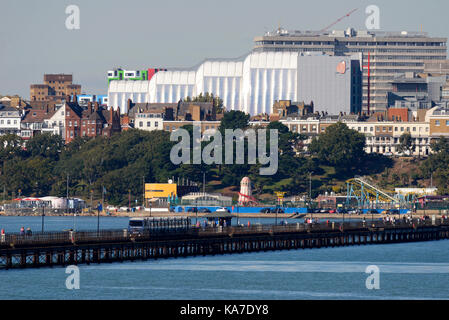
334,23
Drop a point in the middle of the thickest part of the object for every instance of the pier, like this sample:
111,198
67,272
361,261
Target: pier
51,249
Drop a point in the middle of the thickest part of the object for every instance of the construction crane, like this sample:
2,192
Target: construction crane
334,23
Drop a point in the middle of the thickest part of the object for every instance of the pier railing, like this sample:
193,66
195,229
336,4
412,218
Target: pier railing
122,235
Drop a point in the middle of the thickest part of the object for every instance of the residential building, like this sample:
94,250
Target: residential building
135,75
9,120
388,52
149,120
438,120
84,99
90,121
37,119
55,88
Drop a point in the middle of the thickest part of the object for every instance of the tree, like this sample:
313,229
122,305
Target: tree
340,147
234,120
217,102
436,165
406,143
45,145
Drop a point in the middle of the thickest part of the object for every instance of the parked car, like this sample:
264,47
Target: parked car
332,211
277,210
192,209
342,210
392,212
222,209
265,210
372,211
204,210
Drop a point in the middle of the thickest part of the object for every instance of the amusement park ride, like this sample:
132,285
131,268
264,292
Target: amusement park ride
368,194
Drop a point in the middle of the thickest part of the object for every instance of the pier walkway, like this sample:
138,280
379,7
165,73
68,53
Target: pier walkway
50,249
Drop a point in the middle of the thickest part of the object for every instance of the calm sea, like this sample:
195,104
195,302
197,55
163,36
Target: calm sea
407,271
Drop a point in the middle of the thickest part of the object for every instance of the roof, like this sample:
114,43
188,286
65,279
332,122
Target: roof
219,215
38,115
5,108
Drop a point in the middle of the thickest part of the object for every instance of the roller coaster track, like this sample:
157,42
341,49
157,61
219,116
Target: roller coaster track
372,189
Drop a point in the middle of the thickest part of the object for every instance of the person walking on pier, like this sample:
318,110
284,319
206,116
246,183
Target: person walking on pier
22,231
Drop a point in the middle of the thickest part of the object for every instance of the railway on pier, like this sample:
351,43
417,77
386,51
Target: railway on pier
51,249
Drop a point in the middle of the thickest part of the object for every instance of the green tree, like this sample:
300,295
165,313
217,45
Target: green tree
45,145
436,165
406,143
340,147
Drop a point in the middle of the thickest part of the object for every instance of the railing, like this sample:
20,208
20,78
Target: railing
123,235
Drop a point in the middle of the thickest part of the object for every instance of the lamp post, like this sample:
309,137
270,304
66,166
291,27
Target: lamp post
43,215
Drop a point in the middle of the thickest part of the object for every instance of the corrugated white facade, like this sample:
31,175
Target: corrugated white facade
251,84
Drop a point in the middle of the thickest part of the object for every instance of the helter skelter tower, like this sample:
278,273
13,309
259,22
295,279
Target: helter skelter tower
245,195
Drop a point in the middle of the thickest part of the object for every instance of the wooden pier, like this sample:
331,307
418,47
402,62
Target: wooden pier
73,248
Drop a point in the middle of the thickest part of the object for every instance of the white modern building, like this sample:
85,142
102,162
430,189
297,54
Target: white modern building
149,121
253,82
9,120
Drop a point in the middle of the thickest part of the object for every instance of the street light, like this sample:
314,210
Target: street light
43,215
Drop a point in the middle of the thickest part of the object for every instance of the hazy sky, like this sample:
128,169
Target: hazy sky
138,34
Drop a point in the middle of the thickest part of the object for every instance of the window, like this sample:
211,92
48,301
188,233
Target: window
141,124
447,123
149,124
156,124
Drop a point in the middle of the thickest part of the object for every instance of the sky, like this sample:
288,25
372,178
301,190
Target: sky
141,34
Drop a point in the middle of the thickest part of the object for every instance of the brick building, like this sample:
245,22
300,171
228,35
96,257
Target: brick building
92,121
55,88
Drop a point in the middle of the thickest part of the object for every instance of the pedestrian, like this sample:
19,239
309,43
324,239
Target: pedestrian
22,231
28,232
